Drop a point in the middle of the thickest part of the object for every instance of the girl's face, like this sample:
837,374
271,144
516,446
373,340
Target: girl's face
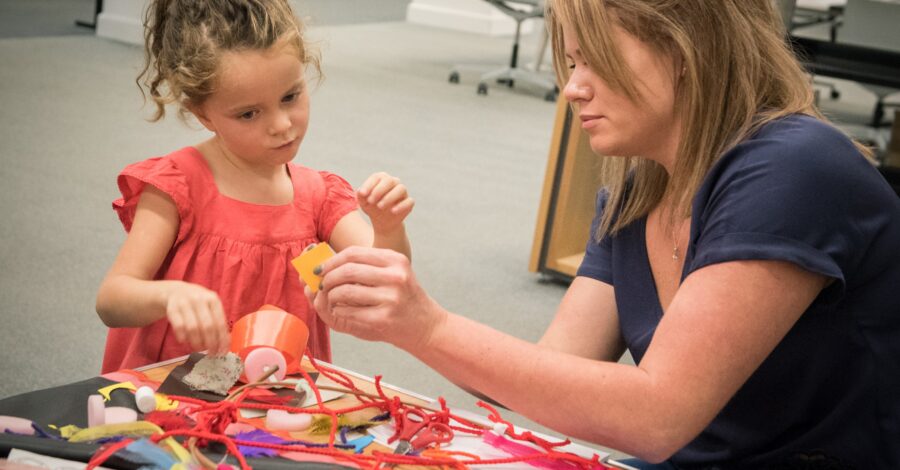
260,109
616,125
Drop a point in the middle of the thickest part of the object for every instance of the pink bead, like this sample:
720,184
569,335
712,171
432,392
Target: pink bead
280,420
259,360
96,411
120,414
16,425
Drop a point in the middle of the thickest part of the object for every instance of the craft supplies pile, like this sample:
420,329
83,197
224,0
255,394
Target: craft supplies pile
257,402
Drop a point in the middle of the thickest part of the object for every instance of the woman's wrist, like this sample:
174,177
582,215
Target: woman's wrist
435,319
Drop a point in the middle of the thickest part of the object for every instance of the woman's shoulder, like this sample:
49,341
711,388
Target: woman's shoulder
797,140
796,146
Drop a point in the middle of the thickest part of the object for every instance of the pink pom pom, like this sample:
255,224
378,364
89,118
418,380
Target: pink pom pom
96,411
260,360
280,420
120,414
16,425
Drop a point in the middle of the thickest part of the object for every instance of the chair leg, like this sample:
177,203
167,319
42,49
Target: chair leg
878,115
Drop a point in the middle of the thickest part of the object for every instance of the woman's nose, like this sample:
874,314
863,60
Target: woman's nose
575,91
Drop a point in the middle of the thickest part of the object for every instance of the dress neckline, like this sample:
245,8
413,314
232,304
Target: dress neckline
207,173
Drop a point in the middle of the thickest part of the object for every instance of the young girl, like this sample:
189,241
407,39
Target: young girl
212,228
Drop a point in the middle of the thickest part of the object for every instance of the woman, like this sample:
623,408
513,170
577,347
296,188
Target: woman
745,252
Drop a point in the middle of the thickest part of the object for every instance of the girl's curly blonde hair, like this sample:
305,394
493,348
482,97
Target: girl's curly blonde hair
184,41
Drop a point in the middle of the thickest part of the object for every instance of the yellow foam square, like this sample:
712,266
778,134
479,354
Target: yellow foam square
308,260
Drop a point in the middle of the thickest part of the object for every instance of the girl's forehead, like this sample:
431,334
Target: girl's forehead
244,74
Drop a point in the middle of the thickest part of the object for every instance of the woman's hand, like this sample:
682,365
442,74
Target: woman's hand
372,294
197,318
385,200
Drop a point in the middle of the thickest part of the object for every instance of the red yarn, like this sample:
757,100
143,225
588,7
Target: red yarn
169,420
212,419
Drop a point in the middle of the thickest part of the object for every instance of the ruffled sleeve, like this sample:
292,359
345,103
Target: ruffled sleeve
340,200
162,173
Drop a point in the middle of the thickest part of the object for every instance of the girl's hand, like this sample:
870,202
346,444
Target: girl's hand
372,294
385,200
197,318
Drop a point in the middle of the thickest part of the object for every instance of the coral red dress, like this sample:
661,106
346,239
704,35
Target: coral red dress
242,251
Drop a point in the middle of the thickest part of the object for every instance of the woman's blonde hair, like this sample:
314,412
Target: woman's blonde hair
738,74
184,41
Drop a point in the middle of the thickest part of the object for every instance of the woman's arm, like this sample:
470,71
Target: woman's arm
129,297
723,322
586,324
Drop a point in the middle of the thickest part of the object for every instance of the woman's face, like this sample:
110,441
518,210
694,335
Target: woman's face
616,125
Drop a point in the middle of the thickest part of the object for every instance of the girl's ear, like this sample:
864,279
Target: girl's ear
200,113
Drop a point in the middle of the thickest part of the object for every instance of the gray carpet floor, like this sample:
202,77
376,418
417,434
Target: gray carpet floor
72,118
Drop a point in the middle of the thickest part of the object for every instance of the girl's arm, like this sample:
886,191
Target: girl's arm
129,297
385,200
723,322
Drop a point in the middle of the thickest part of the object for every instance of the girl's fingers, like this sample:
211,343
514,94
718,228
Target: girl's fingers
176,319
393,196
405,207
384,185
223,337
191,329
370,183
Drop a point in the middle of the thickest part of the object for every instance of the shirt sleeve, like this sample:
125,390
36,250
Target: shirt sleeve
597,262
795,199
163,174
340,200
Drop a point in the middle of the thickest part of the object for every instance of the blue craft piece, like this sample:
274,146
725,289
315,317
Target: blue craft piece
360,443
147,455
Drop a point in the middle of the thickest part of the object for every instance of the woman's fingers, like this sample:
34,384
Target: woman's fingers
377,257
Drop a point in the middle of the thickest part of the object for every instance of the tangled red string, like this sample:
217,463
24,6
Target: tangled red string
212,419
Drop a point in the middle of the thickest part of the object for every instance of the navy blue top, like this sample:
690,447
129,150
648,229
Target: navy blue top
796,191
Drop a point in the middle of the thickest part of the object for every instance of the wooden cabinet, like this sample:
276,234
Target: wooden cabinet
567,203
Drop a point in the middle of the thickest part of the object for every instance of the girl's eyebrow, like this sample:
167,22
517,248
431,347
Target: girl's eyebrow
296,87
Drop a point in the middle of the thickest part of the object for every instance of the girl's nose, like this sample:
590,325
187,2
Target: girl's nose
281,123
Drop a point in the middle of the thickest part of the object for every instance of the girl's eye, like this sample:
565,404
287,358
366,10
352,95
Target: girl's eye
247,115
290,97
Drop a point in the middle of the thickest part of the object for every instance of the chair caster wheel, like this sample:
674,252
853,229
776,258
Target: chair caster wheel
482,88
454,77
835,94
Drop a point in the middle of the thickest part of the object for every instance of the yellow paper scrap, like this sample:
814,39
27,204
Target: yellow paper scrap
308,260
164,403
135,429
68,431
106,391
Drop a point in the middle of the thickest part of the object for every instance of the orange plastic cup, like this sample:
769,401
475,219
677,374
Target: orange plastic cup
271,327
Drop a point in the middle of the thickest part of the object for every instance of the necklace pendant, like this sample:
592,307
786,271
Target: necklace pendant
675,254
